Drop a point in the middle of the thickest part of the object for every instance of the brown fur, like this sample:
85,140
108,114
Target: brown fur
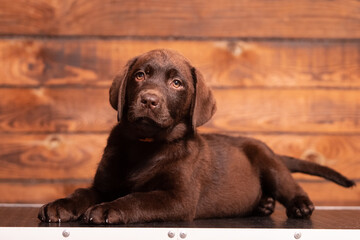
157,167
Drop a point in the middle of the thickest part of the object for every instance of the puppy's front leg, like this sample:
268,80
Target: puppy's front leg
69,208
143,207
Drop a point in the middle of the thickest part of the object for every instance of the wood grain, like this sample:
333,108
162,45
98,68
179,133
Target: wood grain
335,151
285,72
93,62
75,156
56,110
328,194
244,110
36,193
50,156
287,110
217,19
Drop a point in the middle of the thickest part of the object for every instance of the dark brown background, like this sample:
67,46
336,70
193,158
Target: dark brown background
284,71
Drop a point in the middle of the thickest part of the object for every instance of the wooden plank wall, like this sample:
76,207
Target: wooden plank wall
284,71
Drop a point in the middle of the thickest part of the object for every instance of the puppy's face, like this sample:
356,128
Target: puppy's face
160,93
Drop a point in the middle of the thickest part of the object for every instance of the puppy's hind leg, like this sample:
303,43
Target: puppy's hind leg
276,181
265,207
288,192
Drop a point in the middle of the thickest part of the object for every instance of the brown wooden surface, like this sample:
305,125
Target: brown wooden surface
35,62
286,72
37,192
329,194
41,167
203,18
56,110
271,110
50,156
75,156
287,110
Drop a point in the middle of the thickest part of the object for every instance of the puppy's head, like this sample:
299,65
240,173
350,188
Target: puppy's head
159,92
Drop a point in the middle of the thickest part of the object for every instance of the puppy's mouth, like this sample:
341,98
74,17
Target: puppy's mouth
147,121
147,118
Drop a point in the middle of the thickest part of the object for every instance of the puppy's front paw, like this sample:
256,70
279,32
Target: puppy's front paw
300,207
61,210
105,213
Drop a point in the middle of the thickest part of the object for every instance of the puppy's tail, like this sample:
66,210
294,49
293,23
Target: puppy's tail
302,166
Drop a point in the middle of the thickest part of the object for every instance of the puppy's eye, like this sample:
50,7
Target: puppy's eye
140,76
176,83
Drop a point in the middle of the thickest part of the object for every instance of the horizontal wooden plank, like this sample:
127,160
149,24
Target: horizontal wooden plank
50,156
75,156
242,110
56,110
337,152
36,193
287,110
288,19
91,62
328,194
320,193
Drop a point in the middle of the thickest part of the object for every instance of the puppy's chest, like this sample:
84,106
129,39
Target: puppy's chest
147,167
139,168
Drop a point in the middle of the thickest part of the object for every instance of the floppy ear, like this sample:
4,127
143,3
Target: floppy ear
118,88
204,104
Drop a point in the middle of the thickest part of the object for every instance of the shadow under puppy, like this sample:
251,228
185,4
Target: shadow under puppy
157,167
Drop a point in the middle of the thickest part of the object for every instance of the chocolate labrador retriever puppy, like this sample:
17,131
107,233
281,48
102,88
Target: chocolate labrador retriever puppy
156,167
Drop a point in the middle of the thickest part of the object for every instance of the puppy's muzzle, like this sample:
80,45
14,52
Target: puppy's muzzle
150,106
149,100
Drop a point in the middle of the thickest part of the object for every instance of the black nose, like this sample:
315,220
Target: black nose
149,100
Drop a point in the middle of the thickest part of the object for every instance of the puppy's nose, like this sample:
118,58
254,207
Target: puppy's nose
149,100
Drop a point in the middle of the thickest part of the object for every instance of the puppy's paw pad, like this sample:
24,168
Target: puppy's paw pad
300,207
266,207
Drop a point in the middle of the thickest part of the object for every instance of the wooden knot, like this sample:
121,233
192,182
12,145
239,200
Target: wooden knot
313,156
